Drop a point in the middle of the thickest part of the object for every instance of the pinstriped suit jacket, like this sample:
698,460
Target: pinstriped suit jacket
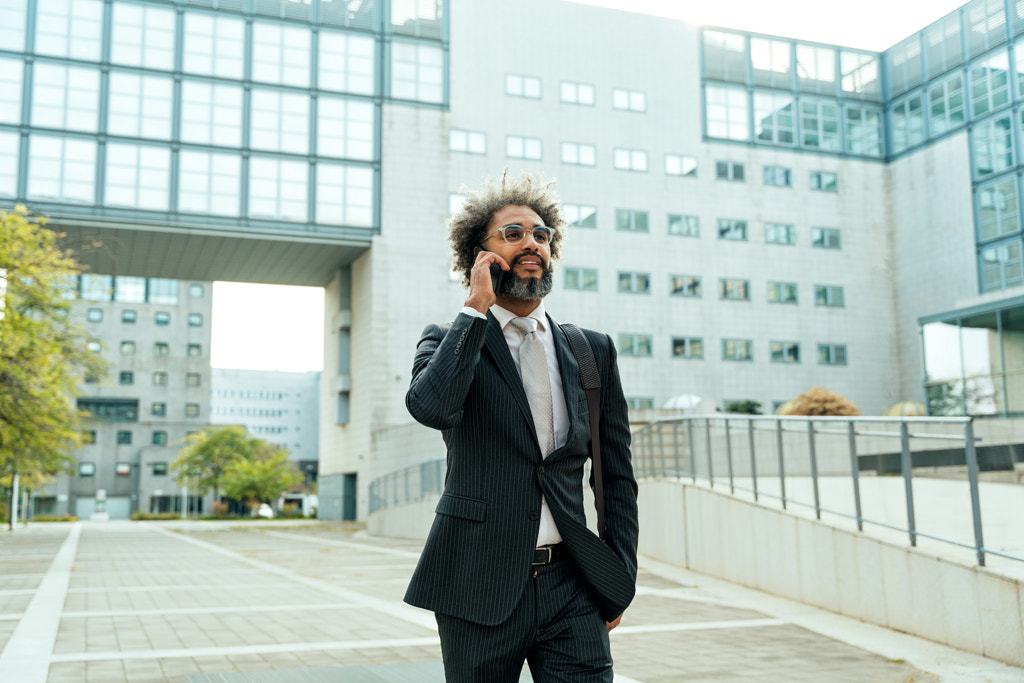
478,554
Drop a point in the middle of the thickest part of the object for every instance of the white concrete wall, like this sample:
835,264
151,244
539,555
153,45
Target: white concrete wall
969,608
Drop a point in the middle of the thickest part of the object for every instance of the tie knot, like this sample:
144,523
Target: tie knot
524,325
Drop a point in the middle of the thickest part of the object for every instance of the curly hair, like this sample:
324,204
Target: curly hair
468,228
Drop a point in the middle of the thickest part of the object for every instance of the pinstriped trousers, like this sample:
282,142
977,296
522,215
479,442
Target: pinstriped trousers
556,627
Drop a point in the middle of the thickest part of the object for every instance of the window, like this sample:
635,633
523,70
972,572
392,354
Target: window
129,317
990,83
774,118
581,278
997,209
12,25
576,93
728,109
579,154
111,409
734,288
280,121
158,409
69,29
277,189
635,283
193,379
905,65
62,169
214,45
137,176
94,315
86,469
140,106
859,75
864,131
677,164
779,233
195,319
688,347
639,403
209,183
580,215
824,181
97,287
816,67
685,226
819,124
280,53
191,410
160,379
65,97
684,285
160,468
127,348
782,292
630,160
162,318
828,295
126,378
93,345
346,62
785,352
1001,267
124,438
725,56
417,72
635,345
161,349
160,439
630,220
730,170
730,229
522,86
523,148
629,100
825,238
467,141
344,195
778,176
831,354
162,291
10,144
195,350
946,105
906,120
195,291
992,143
211,113
737,349
130,290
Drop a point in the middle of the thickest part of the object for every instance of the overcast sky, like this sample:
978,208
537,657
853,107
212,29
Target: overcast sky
264,327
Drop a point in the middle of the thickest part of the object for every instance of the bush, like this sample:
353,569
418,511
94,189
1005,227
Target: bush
292,511
218,511
819,401
140,516
54,518
747,407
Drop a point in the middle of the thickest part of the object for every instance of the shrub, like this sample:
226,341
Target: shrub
54,518
140,516
821,401
219,511
746,407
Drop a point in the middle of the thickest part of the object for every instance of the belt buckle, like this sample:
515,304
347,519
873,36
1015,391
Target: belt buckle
548,561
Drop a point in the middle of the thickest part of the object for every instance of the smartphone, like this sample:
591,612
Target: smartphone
497,274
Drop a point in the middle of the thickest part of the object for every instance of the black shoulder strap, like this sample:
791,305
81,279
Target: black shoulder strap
590,378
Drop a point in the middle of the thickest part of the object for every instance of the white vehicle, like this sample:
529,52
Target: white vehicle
264,511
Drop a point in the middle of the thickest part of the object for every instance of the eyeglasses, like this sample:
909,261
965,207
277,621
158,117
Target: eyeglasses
514,234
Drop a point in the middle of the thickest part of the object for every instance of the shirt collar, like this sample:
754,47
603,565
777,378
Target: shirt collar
505,316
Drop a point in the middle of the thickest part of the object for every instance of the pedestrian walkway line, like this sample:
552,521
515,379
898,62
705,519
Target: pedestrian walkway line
11,617
205,610
697,626
233,650
397,610
344,544
170,587
20,591
26,658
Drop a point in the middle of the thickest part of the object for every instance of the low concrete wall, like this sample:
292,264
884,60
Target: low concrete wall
410,520
853,574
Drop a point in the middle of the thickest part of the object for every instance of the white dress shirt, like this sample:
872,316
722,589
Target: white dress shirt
548,533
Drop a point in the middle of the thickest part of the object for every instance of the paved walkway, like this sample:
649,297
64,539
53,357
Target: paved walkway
193,602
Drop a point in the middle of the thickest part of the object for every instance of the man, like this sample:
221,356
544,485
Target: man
510,569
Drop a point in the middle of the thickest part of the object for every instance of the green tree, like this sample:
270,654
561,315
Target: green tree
261,479
43,354
208,453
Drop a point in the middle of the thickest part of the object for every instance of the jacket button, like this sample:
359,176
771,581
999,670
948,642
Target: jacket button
541,469
534,516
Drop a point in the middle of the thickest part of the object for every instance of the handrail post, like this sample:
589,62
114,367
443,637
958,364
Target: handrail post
972,477
728,457
814,467
675,445
693,451
907,467
782,466
753,461
855,473
707,436
661,448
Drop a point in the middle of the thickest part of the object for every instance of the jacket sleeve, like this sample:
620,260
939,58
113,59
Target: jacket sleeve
443,370
620,489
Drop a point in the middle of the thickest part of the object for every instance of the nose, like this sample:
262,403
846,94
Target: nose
530,236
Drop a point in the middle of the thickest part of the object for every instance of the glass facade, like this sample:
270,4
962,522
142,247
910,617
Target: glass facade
262,112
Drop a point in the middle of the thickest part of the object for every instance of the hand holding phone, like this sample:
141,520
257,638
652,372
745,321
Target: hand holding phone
479,297
497,274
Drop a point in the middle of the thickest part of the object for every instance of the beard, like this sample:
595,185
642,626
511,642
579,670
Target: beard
527,288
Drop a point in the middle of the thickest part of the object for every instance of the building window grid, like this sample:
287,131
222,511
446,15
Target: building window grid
630,220
784,351
519,147
629,159
581,279
734,171
779,233
576,93
522,86
778,176
688,347
638,345
579,154
680,165
580,215
732,229
629,100
832,354
782,292
738,349
634,283
685,286
683,226
829,295
826,238
735,289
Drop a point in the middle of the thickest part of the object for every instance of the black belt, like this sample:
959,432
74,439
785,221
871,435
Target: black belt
546,554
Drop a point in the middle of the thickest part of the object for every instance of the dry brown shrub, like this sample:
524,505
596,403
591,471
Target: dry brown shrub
821,401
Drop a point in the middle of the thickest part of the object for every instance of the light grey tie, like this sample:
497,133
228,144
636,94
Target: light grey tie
533,366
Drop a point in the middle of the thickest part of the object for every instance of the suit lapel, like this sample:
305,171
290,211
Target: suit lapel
497,347
569,371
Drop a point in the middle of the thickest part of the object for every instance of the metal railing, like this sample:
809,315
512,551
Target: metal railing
699,446
408,484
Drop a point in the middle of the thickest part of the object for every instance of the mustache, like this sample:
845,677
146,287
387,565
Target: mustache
520,256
